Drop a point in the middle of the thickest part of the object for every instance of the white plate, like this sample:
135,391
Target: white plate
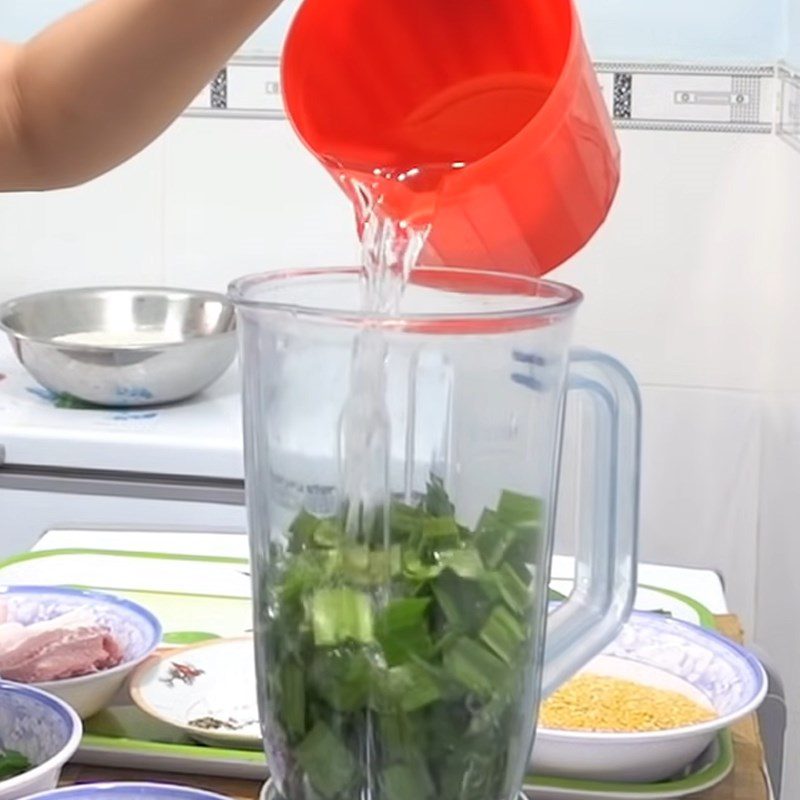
221,684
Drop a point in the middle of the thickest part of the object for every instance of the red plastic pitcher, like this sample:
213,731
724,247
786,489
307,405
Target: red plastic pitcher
480,118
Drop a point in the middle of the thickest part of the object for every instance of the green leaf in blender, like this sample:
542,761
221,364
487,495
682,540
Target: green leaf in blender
328,534
440,532
409,688
341,677
302,531
519,509
341,615
503,634
326,761
407,782
512,589
474,666
464,603
404,521
493,537
436,502
465,563
293,699
402,630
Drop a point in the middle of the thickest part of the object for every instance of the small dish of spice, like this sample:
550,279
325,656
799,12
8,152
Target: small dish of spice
208,691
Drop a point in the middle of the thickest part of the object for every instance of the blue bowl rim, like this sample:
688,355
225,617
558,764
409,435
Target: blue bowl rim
168,791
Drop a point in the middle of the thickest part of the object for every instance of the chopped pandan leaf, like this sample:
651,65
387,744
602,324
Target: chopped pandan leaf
355,562
365,567
385,564
503,634
436,502
526,515
415,569
401,736
464,602
327,762
406,688
407,782
404,521
302,531
440,531
493,537
514,592
474,666
305,573
293,699
341,678
328,534
402,630
519,509
554,596
341,615
474,771
465,563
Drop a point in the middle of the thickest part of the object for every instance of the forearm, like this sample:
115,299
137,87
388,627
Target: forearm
99,85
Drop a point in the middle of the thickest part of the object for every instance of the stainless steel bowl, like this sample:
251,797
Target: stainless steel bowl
122,347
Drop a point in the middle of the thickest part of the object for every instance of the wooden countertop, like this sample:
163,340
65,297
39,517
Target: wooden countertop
746,782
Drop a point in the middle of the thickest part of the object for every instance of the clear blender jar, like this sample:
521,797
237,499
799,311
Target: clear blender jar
400,632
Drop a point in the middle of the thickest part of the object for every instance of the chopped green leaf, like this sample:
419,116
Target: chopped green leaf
503,634
404,521
519,509
326,761
474,666
409,688
493,537
465,563
442,529
302,530
437,503
515,593
407,782
341,615
342,677
293,699
402,630
328,534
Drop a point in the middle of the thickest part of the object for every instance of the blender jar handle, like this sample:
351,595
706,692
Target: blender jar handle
606,557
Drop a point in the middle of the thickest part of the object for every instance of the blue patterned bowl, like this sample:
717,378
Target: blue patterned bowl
669,654
41,727
136,630
127,791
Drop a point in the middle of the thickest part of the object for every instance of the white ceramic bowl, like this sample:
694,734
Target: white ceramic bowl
214,692
136,630
668,654
41,727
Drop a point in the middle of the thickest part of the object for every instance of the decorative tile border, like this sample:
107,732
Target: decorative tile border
642,96
689,98
788,127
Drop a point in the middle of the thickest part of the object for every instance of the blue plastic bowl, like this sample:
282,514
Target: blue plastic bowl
127,791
